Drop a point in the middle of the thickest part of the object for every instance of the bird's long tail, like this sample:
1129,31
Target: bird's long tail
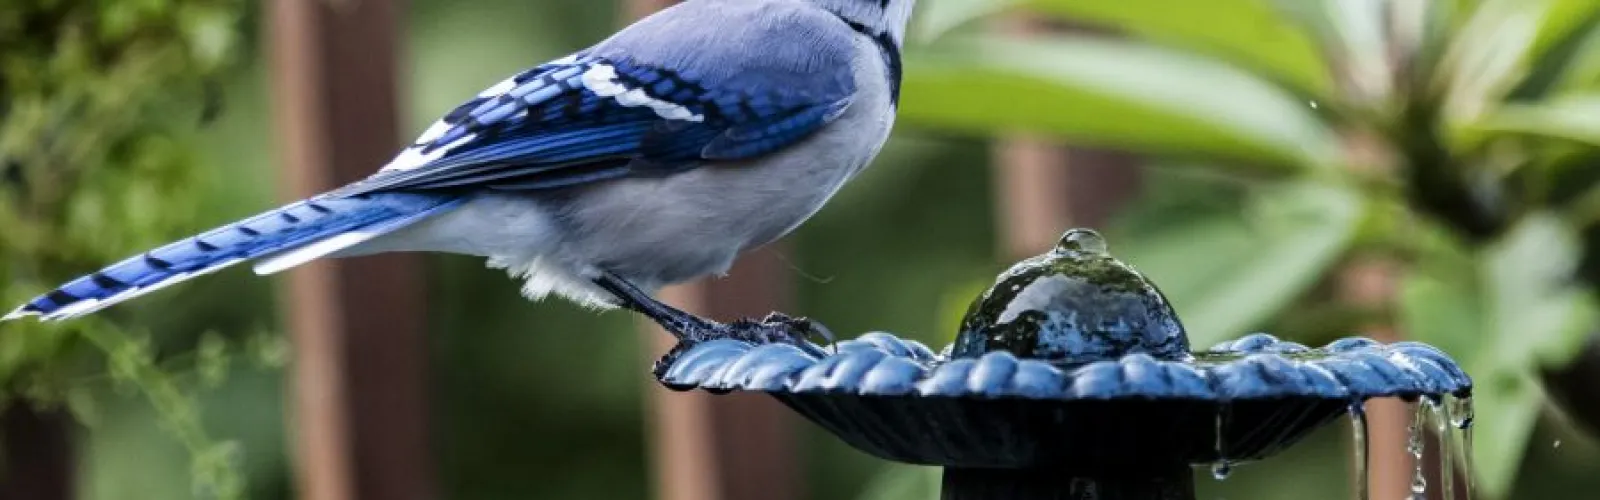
276,239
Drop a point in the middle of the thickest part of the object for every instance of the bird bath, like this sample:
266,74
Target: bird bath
1072,378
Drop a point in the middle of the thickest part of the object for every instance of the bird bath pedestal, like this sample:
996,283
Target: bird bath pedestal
1071,378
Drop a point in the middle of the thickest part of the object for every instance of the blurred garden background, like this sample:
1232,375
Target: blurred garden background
1420,169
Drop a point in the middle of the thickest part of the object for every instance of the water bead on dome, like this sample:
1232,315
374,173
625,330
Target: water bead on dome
1082,241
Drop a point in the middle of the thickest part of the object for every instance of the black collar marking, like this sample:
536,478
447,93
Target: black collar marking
891,56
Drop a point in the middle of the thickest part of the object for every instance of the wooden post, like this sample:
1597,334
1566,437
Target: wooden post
39,458
1044,189
1374,283
734,446
357,325
729,447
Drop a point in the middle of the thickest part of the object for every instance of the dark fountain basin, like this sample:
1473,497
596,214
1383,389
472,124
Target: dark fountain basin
1071,378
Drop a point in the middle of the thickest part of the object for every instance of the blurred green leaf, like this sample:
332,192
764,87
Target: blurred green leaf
953,309
1225,276
1573,117
905,482
937,17
1515,310
1443,312
1507,404
1540,314
1419,35
1581,71
1562,18
1251,33
1114,93
1498,48
1558,58
1354,35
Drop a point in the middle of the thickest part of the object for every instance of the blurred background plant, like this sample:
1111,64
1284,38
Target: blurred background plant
1453,140
98,102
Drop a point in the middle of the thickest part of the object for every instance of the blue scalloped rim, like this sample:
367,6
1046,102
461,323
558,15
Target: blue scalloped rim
1254,367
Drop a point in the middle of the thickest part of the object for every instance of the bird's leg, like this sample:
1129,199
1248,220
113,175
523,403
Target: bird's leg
776,327
680,324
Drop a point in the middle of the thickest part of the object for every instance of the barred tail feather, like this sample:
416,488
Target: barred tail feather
285,237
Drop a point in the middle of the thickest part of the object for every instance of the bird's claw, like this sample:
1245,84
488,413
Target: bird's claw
801,328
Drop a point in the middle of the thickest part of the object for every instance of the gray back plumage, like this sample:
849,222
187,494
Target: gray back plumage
753,46
879,17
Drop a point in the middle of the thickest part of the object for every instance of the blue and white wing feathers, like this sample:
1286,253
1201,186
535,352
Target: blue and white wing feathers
585,118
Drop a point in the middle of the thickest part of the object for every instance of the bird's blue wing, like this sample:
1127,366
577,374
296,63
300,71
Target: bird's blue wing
588,118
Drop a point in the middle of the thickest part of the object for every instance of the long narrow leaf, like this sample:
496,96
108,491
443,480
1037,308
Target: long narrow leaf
1575,118
1498,48
1113,93
1354,37
1563,52
1247,32
936,17
1581,71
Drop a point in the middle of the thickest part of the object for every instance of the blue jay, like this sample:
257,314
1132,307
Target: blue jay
651,158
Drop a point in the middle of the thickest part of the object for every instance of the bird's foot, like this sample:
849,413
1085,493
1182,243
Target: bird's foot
801,328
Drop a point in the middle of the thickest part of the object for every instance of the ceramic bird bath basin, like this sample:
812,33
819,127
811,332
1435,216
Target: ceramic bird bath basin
1071,377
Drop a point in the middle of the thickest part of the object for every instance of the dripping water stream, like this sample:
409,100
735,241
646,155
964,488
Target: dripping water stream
1358,430
1419,483
1221,468
1460,413
1439,422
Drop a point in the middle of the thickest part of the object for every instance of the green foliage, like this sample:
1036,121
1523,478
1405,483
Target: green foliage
1257,261
95,97
1505,311
905,482
1455,135
1163,101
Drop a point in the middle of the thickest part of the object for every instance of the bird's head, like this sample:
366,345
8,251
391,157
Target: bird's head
880,17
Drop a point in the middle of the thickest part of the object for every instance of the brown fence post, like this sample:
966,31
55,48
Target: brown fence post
732,447
1043,188
39,459
359,404
735,446
1374,283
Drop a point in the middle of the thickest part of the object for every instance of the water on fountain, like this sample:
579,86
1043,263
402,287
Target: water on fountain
1222,467
1358,428
1439,422
1419,484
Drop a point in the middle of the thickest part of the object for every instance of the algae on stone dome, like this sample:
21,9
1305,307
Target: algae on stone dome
1074,304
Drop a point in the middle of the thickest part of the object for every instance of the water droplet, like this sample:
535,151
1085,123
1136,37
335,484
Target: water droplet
1358,431
1220,470
1461,413
1414,440
1082,241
